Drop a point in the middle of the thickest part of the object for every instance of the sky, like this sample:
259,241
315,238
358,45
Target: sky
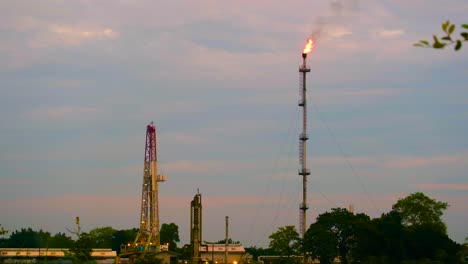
80,80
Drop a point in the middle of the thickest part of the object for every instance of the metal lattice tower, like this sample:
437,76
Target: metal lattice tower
148,238
303,171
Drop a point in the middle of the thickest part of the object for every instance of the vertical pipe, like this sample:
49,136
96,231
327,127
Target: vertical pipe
303,138
304,149
226,241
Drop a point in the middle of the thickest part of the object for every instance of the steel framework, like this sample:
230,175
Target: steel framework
303,171
148,238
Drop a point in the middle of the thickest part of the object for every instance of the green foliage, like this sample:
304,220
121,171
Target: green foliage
102,237
148,259
3,231
427,242
60,240
285,241
169,233
447,39
339,233
419,210
29,238
223,241
255,252
411,233
80,251
123,237
322,243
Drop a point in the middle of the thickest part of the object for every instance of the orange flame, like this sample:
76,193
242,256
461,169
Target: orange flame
309,46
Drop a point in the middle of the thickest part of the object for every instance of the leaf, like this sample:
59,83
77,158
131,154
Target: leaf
418,45
445,25
436,40
425,42
464,35
438,45
465,26
451,29
447,38
458,45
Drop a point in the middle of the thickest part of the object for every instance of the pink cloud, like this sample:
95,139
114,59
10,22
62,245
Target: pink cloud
417,162
443,186
62,112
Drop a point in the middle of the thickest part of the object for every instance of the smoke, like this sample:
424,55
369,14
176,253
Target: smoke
340,12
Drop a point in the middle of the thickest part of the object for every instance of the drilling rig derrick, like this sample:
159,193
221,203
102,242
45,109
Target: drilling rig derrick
148,237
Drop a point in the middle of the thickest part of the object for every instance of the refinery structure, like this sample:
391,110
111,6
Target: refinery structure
147,241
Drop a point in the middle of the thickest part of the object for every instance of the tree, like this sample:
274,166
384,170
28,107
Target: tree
60,240
345,228
418,210
321,243
425,242
391,237
29,238
169,233
447,39
123,237
102,237
80,251
285,241
3,231
258,251
223,241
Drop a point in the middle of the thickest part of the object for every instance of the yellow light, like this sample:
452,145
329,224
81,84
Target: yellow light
234,262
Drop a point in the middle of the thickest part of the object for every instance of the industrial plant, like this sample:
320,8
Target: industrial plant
147,242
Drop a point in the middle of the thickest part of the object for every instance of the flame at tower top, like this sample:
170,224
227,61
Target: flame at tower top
309,46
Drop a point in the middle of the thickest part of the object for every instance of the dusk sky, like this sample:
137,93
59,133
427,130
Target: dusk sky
80,80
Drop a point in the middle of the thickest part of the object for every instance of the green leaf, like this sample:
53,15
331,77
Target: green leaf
464,35
436,40
451,29
418,45
438,45
458,45
425,42
445,25
465,26
447,38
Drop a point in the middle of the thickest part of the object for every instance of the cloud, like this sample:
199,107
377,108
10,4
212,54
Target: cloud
389,33
61,113
406,162
52,35
394,161
76,35
443,186
340,96
340,32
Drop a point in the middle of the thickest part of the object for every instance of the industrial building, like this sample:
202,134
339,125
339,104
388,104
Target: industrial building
215,253
13,255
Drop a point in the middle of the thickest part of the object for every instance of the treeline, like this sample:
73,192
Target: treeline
101,237
412,232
